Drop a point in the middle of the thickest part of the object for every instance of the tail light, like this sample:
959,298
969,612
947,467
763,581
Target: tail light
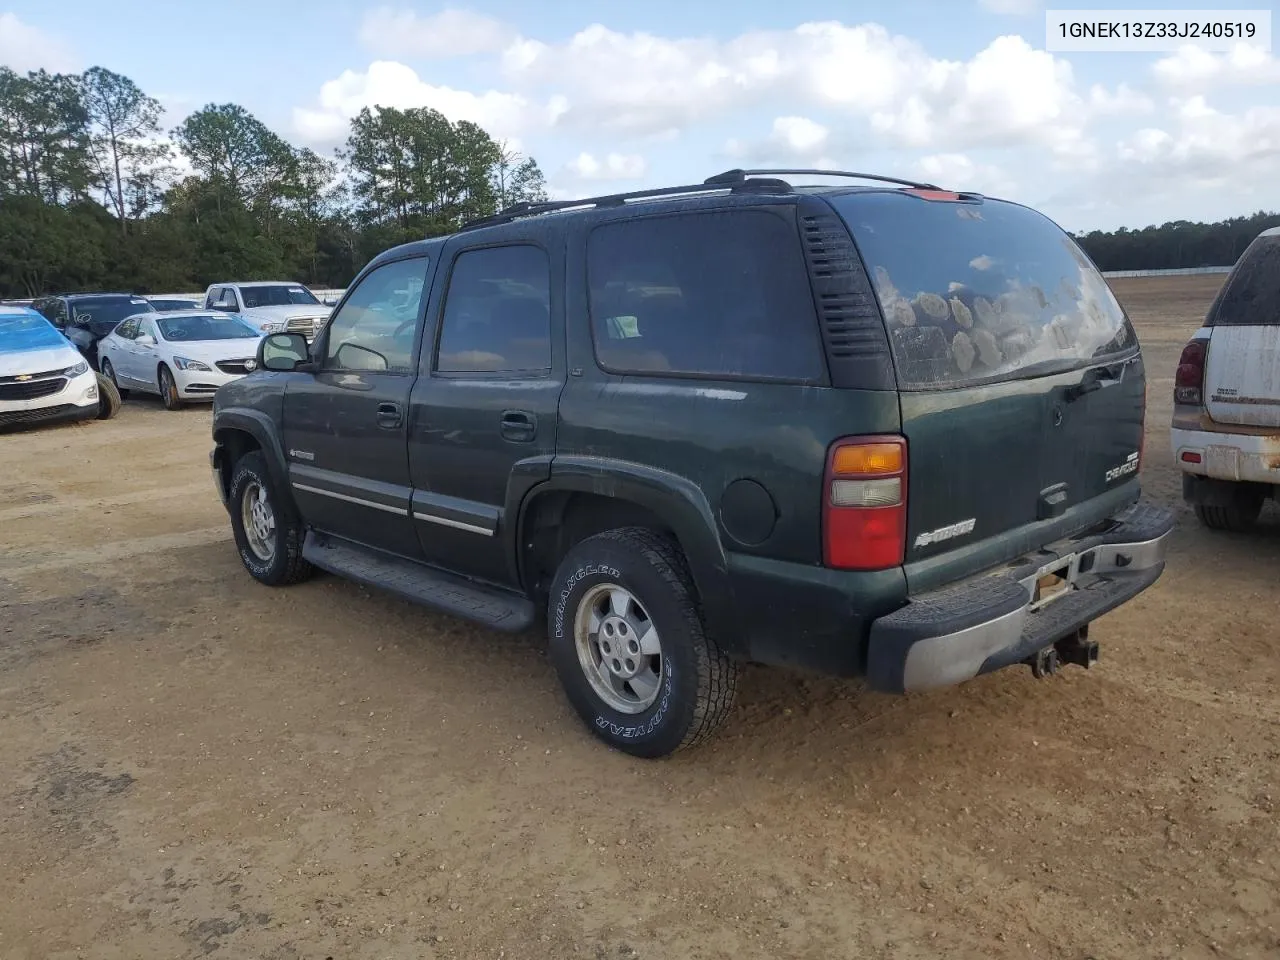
1188,382
864,503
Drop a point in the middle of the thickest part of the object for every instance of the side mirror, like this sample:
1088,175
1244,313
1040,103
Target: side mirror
282,352
145,340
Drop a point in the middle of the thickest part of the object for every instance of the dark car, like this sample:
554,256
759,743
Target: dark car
884,430
85,318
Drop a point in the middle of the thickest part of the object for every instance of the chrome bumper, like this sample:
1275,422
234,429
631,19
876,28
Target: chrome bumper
995,620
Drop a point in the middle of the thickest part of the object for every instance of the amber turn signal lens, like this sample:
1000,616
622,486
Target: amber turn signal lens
867,459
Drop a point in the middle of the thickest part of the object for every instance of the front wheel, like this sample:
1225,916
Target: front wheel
268,531
108,398
169,390
629,645
109,372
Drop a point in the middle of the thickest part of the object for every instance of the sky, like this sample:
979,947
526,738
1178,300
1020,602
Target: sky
608,96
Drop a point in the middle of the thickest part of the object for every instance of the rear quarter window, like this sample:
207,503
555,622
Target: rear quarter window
1251,295
975,292
721,294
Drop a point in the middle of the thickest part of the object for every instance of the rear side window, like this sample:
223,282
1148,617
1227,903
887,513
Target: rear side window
497,312
721,293
978,292
1251,295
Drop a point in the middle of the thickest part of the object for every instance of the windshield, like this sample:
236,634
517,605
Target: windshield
25,332
279,295
214,326
104,314
175,304
975,292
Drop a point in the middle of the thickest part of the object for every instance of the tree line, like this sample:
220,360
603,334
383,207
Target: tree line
95,196
1179,243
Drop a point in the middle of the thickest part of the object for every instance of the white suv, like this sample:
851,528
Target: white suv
270,306
1226,414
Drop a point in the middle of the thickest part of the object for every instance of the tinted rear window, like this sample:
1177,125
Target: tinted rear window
719,293
975,292
1251,295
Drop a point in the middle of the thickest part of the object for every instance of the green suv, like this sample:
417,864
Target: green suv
881,430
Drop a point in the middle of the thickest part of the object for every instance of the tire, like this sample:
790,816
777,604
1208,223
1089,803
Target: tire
109,372
1238,516
283,563
108,398
691,682
168,389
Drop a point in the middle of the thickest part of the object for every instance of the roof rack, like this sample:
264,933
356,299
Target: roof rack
740,176
735,181
525,209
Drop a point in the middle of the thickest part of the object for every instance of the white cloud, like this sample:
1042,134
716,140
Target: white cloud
956,171
1020,8
613,166
1194,69
24,48
449,33
391,84
639,83
1207,147
790,139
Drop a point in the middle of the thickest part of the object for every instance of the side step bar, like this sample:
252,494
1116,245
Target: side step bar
446,592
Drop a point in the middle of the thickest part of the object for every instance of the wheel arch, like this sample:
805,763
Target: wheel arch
585,496
237,432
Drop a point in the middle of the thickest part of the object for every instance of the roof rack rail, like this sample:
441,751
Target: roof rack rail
740,176
526,209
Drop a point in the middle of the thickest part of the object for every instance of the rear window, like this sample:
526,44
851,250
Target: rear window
721,294
976,292
1251,296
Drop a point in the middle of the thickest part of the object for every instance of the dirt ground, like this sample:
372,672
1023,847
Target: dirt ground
195,765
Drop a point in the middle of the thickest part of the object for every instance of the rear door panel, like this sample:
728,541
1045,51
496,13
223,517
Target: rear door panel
1242,375
1242,370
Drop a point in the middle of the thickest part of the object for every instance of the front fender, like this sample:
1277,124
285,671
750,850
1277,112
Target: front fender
678,503
259,426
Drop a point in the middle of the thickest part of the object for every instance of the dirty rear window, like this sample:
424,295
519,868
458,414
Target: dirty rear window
977,292
1251,295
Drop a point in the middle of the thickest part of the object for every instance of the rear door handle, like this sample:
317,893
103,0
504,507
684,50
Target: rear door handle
519,426
389,415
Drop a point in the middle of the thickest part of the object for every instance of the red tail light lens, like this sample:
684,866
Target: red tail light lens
1188,382
864,503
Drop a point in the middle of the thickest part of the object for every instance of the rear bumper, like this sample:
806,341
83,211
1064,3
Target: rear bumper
988,622
1238,457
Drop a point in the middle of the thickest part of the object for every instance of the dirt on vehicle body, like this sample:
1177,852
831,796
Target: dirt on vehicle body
198,767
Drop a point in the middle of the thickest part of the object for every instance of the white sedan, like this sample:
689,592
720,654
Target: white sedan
181,356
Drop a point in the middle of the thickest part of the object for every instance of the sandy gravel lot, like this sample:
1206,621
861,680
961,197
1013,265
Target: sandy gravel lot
195,765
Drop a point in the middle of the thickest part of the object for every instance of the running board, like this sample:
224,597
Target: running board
446,592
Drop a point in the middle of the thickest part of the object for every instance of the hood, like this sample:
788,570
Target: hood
211,351
287,312
30,344
18,362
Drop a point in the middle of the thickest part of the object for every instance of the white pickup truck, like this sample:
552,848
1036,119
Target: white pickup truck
1226,415
270,306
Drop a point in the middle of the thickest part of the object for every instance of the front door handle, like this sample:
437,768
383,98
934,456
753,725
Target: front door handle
519,426
389,415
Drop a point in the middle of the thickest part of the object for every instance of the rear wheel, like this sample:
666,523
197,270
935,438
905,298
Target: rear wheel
109,372
108,398
1238,515
268,531
169,390
629,645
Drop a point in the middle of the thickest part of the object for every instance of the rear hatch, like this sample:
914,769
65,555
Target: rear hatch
1242,370
1021,385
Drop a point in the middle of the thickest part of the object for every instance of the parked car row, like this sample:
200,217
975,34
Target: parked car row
116,343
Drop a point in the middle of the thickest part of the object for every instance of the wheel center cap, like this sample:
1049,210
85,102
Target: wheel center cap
620,647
